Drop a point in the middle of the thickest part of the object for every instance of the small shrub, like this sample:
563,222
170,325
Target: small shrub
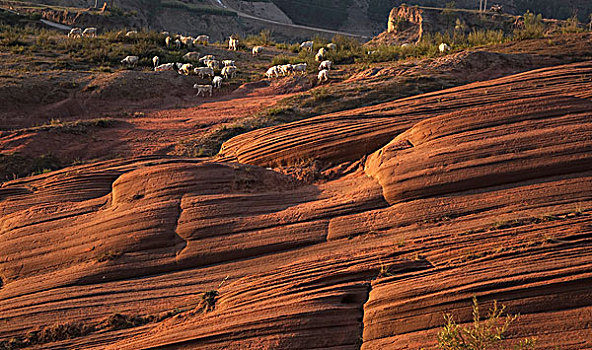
533,27
485,37
263,38
288,47
481,334
121,321
108,256
208,301
383,271
572,25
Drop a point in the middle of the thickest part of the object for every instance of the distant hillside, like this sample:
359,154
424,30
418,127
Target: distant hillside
560,9
217,18
367,17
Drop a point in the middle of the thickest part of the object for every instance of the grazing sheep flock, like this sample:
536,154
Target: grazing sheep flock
324,66
207,65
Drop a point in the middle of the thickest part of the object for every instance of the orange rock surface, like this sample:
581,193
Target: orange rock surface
482,190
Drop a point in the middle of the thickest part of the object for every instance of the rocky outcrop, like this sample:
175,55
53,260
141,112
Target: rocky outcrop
349,135
370,259
408,24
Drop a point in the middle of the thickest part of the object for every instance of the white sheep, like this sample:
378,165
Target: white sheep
323,75
168,41
131,33
233,44
286,69
307,45
331,46
191,56
203,71
271,72
300,68
217,82
203,89
227,63
229,72
75,33
206,58
325,65
212,64
164,67
187,41
130,60
257,50
443,47
186,69
203,39
156,61
320,56
178,65
90,32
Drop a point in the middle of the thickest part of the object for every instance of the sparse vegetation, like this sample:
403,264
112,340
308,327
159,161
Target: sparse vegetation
104,51
533,27
70,330
572,25
14,166
53,333
263,38
108,256
383,271
484,334
208,301
209,143
74,127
